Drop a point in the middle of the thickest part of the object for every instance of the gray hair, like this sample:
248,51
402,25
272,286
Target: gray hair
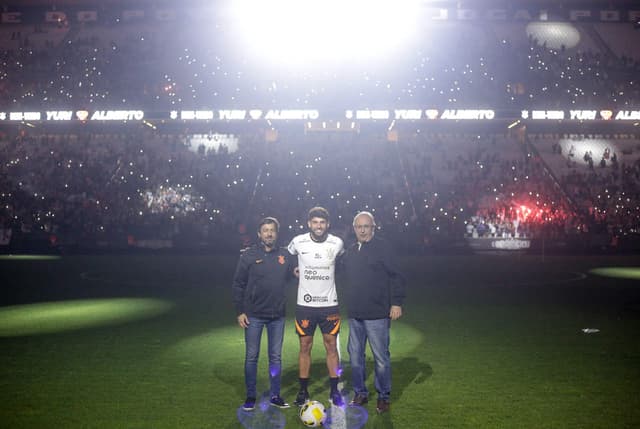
373,220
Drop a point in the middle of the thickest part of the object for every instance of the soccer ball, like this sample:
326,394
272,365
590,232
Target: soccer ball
313,414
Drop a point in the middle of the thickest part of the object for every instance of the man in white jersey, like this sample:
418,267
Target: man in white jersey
317,303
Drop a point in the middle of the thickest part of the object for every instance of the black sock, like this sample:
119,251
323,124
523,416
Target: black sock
333,381
304,382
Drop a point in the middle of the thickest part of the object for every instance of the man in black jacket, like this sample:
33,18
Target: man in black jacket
259,294
374,296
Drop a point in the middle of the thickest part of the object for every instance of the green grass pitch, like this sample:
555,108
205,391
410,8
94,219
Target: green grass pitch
150,341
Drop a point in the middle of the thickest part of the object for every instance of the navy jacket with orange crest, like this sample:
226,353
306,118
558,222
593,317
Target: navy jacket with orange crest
261,280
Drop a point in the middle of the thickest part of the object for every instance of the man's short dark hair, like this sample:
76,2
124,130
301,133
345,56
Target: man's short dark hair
269,221
320,212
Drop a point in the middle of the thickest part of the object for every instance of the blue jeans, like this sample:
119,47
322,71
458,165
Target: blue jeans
377,333
252,337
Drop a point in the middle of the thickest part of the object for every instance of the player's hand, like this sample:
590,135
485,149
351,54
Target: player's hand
396,312
296,272
243,320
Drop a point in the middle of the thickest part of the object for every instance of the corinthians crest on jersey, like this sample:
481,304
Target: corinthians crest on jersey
316,262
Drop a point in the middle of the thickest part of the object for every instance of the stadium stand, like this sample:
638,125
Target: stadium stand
129,185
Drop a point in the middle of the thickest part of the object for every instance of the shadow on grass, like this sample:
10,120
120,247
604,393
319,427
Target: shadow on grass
318,386
380,421
263,416
318,382
407,371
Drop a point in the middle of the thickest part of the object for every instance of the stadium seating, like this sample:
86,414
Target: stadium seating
130,183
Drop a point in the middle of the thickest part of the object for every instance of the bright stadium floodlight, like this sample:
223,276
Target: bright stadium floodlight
323,32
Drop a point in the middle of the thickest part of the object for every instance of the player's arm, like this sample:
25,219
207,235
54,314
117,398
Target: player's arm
292,247
294,251
340,254
340,248
292,266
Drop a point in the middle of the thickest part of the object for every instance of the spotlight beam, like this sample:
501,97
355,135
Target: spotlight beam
311,33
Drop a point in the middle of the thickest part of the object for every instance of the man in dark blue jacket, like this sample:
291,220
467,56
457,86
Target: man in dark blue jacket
259,295
374,296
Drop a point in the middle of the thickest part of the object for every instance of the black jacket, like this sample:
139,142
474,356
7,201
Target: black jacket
373,281
260,282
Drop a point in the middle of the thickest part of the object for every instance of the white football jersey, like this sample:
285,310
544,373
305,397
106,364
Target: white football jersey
317,266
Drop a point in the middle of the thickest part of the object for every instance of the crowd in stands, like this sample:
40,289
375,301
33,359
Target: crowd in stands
560,79
426,189
607,194
168,66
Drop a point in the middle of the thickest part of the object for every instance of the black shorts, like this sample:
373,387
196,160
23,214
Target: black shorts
307,318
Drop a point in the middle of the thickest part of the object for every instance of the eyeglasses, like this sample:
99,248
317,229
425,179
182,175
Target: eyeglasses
363,226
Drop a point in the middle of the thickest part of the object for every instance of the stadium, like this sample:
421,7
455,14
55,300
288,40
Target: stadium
496,142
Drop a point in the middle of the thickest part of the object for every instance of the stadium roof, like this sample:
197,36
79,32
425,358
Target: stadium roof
504,3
